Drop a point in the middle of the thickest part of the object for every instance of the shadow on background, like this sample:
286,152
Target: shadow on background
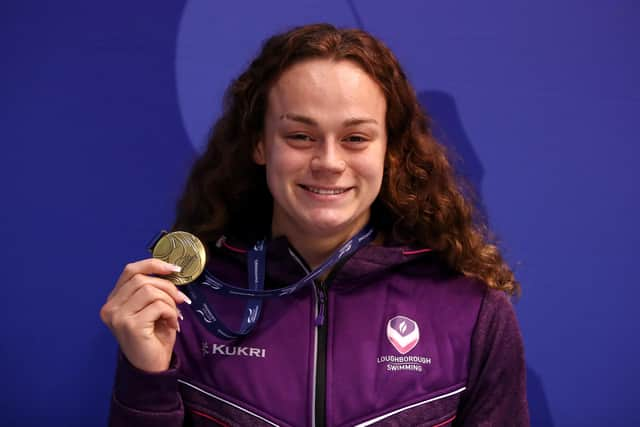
448,129
538,404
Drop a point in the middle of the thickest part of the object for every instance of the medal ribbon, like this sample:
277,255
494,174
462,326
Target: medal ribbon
256,265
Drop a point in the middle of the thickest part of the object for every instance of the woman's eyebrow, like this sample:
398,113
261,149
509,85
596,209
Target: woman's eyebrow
299,118
358,121
311,122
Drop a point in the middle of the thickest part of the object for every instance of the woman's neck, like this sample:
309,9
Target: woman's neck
315,248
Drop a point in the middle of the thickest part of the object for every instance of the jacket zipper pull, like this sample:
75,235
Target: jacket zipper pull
321,292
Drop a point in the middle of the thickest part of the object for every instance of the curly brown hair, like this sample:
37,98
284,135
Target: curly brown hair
421,201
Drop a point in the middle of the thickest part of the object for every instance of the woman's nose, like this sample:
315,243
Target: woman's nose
328,158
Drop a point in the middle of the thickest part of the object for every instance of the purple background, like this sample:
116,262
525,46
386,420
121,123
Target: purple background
103,107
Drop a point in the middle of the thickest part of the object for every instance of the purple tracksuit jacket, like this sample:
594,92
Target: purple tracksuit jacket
389,338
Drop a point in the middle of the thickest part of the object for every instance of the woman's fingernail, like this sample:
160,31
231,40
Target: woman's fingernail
180,316
178,327
175,268
185,298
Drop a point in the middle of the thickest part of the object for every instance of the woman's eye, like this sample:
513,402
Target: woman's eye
355,138
299,137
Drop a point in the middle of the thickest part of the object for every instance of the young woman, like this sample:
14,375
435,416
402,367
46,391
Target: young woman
324,151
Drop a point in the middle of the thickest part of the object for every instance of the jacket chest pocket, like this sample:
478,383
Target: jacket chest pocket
204,408
438,411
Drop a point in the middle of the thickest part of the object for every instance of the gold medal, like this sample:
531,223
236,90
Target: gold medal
182,249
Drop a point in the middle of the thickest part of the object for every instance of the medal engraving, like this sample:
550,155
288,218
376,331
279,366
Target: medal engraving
182,249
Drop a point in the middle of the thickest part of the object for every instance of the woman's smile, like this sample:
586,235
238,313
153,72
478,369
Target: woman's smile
325,192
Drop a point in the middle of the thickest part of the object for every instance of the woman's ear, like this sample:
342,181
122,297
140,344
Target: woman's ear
259,154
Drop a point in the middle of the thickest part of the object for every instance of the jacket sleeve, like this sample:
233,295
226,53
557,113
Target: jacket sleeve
496,389
142,399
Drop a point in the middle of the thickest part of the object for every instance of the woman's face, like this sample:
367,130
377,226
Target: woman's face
323,146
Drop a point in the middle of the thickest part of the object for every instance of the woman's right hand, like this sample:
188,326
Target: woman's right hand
141,312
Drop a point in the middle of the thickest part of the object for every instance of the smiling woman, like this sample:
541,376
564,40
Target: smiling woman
321,146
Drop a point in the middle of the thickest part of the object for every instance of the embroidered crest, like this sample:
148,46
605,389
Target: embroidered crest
403,333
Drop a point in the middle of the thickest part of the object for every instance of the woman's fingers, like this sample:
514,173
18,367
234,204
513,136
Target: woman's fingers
146,266
123,291
136,294
140,312
144,296
147,337
159,310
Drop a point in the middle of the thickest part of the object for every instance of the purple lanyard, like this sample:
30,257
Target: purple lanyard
256,262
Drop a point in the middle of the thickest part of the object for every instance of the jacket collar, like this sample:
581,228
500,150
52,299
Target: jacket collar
285,266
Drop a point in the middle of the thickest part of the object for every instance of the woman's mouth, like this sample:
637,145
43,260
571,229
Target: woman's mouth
325,191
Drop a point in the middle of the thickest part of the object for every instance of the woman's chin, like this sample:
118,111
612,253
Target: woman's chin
320,223
323,229
328,227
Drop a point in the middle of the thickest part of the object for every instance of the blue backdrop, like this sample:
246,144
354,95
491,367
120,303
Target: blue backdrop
103,106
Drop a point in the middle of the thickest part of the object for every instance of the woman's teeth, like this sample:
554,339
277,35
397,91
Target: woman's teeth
324,191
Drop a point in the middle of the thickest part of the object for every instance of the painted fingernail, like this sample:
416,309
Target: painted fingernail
178,327
185,298
180,316
175,268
